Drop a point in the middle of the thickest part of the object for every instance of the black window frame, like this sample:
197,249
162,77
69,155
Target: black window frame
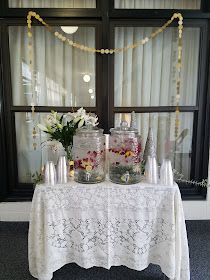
105,17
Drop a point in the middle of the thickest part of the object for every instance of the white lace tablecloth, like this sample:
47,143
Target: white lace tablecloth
108,225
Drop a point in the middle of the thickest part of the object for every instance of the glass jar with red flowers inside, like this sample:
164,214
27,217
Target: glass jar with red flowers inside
89,155
124,155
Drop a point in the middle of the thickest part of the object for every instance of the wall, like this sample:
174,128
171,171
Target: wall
19,211
14,211
198,210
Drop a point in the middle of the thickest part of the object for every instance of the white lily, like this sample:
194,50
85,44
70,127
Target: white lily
50,129
42,127
69,117
50,119
91,119
57,116
59,125
81,122
81,112
77,119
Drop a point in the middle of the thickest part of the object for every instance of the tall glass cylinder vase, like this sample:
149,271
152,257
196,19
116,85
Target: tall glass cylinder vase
89,155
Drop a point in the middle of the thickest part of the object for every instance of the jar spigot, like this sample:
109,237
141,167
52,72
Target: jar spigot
87,176
125,177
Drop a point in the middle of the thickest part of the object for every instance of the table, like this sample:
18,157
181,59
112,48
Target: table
108,225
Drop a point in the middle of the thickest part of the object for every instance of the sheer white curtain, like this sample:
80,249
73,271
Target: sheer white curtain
58,68
58,77
146,76
52,3
157,4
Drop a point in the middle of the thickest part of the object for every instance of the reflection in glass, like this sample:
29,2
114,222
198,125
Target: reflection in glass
178,150
58,68
157,4
146,75
52,4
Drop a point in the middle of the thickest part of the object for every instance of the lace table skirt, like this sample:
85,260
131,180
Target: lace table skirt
108,225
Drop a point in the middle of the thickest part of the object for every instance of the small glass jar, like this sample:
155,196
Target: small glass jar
89,155
124,155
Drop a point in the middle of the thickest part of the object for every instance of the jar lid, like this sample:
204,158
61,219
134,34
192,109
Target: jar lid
124,129
89,131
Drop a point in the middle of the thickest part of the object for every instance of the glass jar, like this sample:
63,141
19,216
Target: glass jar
124,155
89,155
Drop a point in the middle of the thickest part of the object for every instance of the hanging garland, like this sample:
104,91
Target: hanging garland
64,39
115,50
31,14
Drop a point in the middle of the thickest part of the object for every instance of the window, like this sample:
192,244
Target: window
52,4
157,4
142,79
145,77
59,70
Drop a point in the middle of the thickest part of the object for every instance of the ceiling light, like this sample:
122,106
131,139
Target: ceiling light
69,29
92,96
86,78
90,90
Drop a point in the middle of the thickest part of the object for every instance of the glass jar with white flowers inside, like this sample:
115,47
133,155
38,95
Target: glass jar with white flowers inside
62,128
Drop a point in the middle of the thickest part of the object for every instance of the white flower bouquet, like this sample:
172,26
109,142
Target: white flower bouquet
62,127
